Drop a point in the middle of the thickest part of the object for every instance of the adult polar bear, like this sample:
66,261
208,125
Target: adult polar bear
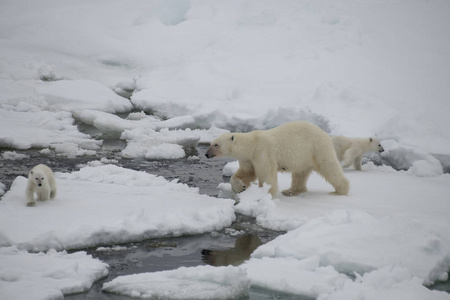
295,147
351,150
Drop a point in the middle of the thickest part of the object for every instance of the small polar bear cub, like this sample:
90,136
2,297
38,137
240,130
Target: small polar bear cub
42,183
351,150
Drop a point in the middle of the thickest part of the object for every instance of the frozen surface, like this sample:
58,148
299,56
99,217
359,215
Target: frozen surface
167,75
72,95
43,129
117,205
203,282
351,68
390,220
48,275
394,240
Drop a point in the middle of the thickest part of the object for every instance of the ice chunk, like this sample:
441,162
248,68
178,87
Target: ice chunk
134,206
203,282
48,275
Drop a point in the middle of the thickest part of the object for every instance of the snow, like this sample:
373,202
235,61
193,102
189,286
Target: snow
12,155
165,76
295,276
134,205
48,275
203,282
71,95
42,129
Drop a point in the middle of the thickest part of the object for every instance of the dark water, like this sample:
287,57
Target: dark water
231,246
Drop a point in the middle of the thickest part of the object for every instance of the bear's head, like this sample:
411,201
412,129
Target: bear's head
221,146
375,145
37,177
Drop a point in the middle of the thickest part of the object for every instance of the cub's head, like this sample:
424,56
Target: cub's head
37,177
375,145
221,146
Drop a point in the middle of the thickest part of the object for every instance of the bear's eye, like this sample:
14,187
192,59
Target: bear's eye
216,145
42,178
37,178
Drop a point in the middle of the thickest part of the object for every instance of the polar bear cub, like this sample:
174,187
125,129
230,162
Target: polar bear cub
351,150
42,183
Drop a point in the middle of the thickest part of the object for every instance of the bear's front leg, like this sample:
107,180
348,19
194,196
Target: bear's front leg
237,185
30,196
43,194
241,180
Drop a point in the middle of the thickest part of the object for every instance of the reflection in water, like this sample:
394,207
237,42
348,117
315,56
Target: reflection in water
243,248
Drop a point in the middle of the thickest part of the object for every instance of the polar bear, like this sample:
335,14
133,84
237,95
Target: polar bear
42,183
351,150
295,147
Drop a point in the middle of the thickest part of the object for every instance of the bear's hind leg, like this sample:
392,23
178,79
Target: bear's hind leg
357,163
331,170
348,158
298,184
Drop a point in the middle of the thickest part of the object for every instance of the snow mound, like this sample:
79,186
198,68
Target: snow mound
340,239
48,275
134,206
391,282
13,155
71,95
148,143
417,161
289,275
43,129
113,124
203,282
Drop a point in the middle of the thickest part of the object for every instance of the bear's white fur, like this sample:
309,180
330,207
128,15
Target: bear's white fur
42,183
295,147
351,150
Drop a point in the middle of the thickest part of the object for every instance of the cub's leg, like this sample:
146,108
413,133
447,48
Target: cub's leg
30,196
357,163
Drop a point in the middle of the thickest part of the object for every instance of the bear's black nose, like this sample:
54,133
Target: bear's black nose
40,184
207,155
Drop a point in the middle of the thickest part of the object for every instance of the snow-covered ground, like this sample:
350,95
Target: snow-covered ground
166,75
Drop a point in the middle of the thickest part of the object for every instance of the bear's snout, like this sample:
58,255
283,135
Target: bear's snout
210,153
39,184
380,149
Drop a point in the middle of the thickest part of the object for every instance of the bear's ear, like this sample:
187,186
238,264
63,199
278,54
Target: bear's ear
371,140
232,138
31,172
